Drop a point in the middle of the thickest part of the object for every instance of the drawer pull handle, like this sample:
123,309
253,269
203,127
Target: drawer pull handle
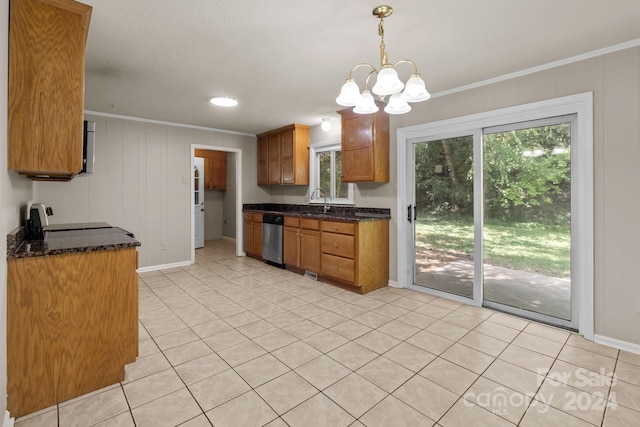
335,267
335,245
335,227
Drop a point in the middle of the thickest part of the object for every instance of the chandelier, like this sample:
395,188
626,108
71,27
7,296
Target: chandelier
387,82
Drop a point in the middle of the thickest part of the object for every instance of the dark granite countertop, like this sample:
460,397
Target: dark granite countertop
338,213
69,238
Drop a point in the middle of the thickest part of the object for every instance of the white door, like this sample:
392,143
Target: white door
198,202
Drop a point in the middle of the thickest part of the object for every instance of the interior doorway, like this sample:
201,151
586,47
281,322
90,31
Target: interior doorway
235,190
198,202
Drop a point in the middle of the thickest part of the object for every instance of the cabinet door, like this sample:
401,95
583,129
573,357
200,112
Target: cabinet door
248,234
291,255
208,174
218,163
357,148
287,159
365,147
263,160
46,87
257,238
310,250
275,168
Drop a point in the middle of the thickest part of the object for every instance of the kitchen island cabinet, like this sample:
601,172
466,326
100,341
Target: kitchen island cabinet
72,321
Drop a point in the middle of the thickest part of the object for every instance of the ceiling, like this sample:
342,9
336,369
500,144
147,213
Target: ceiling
286,60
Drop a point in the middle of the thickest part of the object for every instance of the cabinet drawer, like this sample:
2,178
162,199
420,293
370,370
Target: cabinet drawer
257,217
338,244
248,216
339,268
310,224
291,221
339,227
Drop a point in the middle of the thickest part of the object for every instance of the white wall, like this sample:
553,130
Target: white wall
15,192
142,183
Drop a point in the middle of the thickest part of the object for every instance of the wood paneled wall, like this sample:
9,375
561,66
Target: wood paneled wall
142,184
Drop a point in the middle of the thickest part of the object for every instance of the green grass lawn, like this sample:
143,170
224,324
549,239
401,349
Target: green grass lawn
533,247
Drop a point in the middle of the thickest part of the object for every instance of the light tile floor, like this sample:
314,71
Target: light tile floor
234,342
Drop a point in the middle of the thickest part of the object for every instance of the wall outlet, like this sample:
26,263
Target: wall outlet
185,180
165,246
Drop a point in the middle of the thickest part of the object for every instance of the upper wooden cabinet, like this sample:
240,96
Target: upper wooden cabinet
215,168
263,160
365,146
283,156
47,41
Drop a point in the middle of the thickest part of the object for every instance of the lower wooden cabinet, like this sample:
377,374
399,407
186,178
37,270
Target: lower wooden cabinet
291,242
351,253
252,233
301,244
72,325
356,253
310,245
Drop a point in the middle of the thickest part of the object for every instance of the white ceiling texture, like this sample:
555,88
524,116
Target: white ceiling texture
285,60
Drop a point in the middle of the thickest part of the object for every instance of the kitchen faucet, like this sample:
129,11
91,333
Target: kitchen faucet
322,193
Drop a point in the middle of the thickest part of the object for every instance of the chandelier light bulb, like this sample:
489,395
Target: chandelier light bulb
397,105
367,105
349,94
414,90
387,82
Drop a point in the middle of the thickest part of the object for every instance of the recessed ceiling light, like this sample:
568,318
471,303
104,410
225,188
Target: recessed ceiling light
224,101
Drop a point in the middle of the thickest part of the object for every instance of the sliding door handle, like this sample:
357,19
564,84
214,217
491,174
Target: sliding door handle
415,213
409,213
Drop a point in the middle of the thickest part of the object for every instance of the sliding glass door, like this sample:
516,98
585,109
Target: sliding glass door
527,219
491,217
443,215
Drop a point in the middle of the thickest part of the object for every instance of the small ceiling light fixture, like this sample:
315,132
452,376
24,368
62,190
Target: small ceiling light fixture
325,125
224,101
387,81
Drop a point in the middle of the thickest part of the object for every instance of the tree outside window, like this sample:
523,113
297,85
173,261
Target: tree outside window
327,174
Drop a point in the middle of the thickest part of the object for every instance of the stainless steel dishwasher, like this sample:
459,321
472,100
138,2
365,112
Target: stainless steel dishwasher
272,230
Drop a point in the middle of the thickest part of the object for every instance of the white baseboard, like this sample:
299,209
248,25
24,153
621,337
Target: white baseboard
616,343
393,284
231,239
8,421
163,266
